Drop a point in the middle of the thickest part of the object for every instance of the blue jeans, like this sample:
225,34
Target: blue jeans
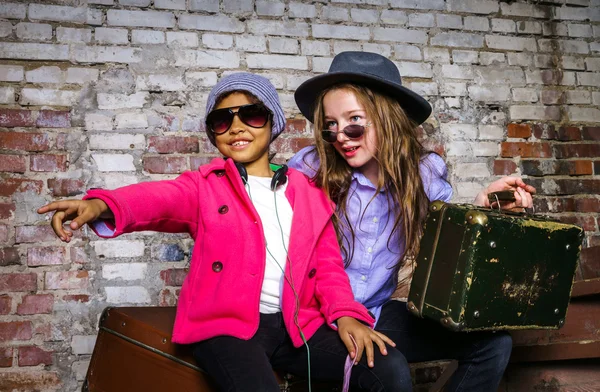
482,356
247,365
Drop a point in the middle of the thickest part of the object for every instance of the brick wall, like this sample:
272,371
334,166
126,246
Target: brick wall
103,93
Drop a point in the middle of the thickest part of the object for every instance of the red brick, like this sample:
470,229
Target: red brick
590,262
594,241
173,277
588,204
295,127
168,297
577,150
544,131
165,165
48,163
79,255
65,187
15,330
525,150
10,118
6,356
552,77
10,186
83,298
18,282
549,167
567,134
591,133
43,330
4,233
173,144
30,381
519,130
60,142
9,256
34,234
196,162
66,280
53,119
596,167
172,123
6,210
24,141
575,186
36,304
5,304
33,356
13,163
46,256
504,167
296,144
552,97
588,223
554,204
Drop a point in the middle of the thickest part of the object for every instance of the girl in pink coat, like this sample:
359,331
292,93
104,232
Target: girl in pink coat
266,287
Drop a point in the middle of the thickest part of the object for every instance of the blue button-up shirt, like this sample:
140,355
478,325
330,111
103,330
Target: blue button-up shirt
376,249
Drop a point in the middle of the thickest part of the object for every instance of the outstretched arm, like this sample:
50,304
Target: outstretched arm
79,212
522,192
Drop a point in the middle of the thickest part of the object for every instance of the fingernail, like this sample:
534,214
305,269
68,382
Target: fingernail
371,364
384,352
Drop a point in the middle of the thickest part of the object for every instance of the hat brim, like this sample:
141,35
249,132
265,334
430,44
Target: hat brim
416,107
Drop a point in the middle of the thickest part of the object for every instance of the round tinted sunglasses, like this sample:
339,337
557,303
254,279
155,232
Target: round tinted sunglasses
254,115
353,131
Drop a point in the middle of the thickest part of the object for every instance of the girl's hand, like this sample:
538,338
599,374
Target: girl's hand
523,193
364,337
79,212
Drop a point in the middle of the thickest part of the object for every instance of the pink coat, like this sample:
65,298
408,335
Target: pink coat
220,295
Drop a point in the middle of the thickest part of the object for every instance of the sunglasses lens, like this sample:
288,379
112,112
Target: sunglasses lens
354,131
219,120
329,136
255,116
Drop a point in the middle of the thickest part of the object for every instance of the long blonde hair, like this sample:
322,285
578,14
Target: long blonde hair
398,154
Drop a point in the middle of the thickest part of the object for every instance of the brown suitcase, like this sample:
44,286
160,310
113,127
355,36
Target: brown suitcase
134,353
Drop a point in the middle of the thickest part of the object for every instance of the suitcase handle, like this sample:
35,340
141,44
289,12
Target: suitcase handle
497,197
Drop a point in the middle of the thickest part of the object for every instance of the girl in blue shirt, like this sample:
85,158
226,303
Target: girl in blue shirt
370,162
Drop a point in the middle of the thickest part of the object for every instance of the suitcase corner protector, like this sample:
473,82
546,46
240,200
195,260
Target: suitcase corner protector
449,323
410,305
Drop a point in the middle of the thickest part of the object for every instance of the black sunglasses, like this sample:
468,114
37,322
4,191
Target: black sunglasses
253,115
353,131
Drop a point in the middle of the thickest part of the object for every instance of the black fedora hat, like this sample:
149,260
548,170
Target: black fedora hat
367,69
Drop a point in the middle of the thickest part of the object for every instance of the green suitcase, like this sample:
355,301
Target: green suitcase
485,269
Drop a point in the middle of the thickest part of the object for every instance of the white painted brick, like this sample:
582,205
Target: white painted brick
204,79
577,63
58,13
473,6
170,4
544,61
30,51
81,75
510,43
234,6
34,31
13,10
294,81
453,71
71,35
98,122
453,89
489,93
459,131
283,45
527,10
421,20
79,368
491,58
436,55
470,170
270,8
316,48
578,97
116,142
524,95
415,70
182,39
7,95
500,75
491,132
147,37
465,57
83,344
591,79
343,32
124,271
217,41
334,13
485,149
344,46
321,64
536,77
135,3
583,114
596,31
290,29
122,101
552,28
11,73
204,5
111,36
466,191
529,27
364,16
132,121
394,17
35,96
457,40
453,102
447,21
591,63
407,52
522,59
596,98
418,4
114,163
117,180
595,47
127,295
6,29
371,2
207,58
141,18
400,35
382,49
580,30
424,88
106,54
477,23
503,25
299,10
251,43
47,74
530,112
577,13
455,149
95,17
265,61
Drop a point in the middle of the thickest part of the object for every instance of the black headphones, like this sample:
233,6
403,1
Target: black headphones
279,178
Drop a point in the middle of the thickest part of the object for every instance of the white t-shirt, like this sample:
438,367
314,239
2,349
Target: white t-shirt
277,235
